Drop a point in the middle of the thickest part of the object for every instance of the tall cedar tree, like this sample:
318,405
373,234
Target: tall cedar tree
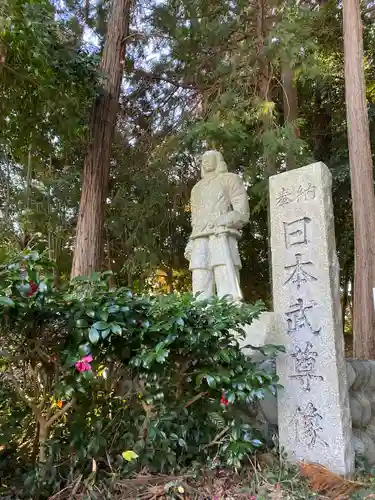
362,181
89,233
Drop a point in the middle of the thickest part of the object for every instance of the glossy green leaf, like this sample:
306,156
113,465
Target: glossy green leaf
101,325
116,329
94,335
6,301
211,381
104,333
81,323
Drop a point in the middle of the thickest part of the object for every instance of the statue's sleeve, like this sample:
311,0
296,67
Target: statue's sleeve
193,208
240,214
193,211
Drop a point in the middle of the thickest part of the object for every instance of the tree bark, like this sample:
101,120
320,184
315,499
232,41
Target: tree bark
169,279
270,166
345,296
322,126
88,250
362,183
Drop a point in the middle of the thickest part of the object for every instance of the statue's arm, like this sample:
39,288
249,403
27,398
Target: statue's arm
189,246
239,216
193,208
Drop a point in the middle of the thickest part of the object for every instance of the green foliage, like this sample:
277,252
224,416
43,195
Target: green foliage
200,75
48,83
46,79
159,378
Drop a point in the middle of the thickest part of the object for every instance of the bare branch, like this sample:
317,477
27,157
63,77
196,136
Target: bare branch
29,401
60,413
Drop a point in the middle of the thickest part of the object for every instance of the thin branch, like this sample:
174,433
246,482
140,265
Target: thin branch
23,395
194,399
217,438
60,413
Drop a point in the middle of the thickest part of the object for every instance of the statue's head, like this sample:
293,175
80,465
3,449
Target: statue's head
213,161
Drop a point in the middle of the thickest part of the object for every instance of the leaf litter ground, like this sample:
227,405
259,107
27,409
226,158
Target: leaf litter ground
265,479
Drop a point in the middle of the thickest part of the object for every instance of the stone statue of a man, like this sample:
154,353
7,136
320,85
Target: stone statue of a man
219,210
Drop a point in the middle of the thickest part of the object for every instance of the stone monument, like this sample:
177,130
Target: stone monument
313,408
219,210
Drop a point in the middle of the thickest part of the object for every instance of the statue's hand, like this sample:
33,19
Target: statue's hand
222,220
231,220
188,250
220,230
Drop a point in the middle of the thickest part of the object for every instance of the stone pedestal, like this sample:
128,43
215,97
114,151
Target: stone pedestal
262,331
313,408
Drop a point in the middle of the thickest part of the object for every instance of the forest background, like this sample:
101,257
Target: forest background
105,108
262,81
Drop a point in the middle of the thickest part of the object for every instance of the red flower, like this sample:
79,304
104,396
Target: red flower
224,401
33,289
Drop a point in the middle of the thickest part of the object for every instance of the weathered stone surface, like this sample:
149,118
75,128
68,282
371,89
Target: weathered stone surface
363,374
371,384
369,447
350,375
313,408
268,405
371,428
372,402
359,445
264,330
364,445
362,406
360,409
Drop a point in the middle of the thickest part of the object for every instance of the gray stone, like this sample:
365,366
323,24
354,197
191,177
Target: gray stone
264,330
350,375
268,407
369,448
371,383
372,402
362,370
370,429
360,409
359,445
364,446
313,407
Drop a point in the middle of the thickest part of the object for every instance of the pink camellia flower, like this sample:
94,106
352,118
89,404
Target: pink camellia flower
83,365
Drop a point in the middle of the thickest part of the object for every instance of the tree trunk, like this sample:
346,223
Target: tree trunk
361,171
345,296
89,234
270,166
43,436
169,279
290,106
322,126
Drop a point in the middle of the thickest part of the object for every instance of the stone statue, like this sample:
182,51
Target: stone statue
219,210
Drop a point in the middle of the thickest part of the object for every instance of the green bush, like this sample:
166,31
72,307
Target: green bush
97,380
